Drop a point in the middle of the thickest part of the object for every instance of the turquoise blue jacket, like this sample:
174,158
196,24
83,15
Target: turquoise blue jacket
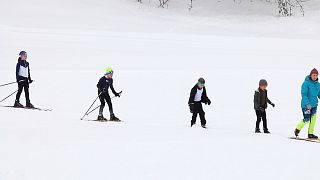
310,92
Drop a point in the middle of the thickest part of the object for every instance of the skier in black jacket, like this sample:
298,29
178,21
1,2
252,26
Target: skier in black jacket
103,86
23,79
198,95
261,102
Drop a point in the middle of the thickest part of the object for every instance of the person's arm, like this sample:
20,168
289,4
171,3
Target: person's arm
17,72
99,84
256,100
304,94
205,97
29,76
113,91
191,97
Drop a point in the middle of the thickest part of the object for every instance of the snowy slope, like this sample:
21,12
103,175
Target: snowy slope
157,55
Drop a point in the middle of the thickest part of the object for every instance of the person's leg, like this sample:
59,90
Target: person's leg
20,88
108,100
312,124
26,91
202,115
101,98
258,114
264,119
194,114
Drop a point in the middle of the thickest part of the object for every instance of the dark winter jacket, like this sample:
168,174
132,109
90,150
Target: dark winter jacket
261,99
104,84
204,97
24,64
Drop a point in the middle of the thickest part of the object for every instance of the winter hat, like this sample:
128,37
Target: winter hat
201,81
314,71
263,82
109,70
22,53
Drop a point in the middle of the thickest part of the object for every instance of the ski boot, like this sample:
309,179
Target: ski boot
204,126
312,136
257,130
266,131
17,104
114,118
192,123
296,132
101,118
29,105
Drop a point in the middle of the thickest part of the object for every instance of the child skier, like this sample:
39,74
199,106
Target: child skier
310,92
198,95
23,79
261,102
103,86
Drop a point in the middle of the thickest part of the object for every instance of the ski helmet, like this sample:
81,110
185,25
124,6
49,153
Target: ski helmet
109,70
22,53
201,81
263,82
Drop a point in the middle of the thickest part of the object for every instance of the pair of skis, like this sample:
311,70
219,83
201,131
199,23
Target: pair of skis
305,139
24,107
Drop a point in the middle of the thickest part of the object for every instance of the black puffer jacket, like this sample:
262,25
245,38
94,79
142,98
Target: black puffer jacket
261,99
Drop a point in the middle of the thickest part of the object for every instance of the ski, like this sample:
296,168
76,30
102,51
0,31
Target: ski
306,139
34,108
95,120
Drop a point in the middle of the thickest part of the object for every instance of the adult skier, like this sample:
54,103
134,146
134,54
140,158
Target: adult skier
198,95
103,90
310,92
23,79
261,102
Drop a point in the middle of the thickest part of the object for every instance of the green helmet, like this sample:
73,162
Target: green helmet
109,70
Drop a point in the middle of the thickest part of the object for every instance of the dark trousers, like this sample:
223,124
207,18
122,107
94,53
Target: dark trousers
198,110
104,97
261,115
23,85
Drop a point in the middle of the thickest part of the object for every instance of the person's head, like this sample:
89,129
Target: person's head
23,55
201,83
263,84
109,72
314,74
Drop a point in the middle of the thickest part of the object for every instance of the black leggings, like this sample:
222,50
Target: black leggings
105,97
198,109
263,116
23,85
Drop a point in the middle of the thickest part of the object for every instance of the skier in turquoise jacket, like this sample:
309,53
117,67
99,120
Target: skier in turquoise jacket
310,92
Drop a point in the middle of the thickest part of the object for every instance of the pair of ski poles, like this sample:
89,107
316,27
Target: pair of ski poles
11,93
90,111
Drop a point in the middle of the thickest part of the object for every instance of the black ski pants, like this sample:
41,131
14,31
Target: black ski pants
197,109
105,97
23,85
261,115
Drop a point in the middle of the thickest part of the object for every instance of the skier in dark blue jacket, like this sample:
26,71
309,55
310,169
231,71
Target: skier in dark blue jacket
23,79
103,90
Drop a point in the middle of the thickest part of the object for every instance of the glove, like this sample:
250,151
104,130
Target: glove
309,106
307,112
273,105
30,81
208,101
117,94
191,106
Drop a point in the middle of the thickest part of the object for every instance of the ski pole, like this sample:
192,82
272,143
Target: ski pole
8,96
10,83
91,105
99,106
